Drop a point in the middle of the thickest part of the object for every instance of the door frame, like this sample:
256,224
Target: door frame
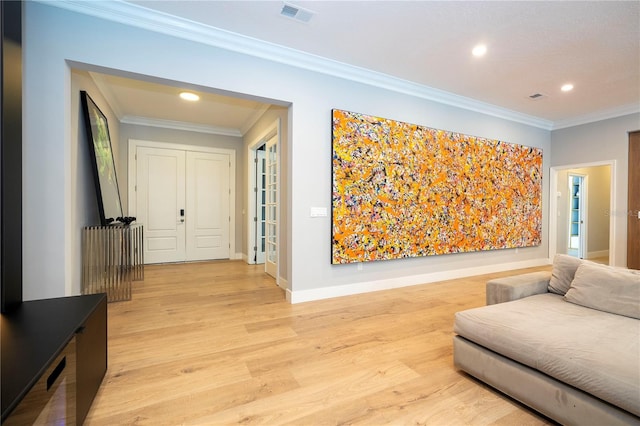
583,202
132,173
260,197
272,193
633,215
553,205
274,129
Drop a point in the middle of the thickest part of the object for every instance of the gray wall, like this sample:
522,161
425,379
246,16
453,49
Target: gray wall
57,40
601,141
183,137
83,204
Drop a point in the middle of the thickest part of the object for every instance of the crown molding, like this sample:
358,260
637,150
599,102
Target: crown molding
597,116
258,113
141,17
107,93
180,125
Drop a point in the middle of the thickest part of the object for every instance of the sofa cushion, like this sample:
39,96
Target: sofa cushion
591,350
562,273
613,290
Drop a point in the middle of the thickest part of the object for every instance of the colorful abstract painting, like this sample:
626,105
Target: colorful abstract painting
402,190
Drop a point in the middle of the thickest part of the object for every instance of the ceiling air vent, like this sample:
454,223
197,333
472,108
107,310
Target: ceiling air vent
296,12
537,96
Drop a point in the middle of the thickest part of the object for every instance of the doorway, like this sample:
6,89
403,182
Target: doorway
633,216
264,200
576,239
183,197
260,216
580,223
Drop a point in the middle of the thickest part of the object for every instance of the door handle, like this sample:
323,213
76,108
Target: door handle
181,215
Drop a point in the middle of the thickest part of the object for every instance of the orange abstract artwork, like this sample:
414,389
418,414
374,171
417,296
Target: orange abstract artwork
402,190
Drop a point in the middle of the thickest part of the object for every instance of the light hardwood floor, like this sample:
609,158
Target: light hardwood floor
216,343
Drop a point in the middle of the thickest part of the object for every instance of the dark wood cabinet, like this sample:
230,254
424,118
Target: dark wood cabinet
91,359
49,345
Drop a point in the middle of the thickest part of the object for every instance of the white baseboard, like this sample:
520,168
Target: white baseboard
387,284
283,284
596,254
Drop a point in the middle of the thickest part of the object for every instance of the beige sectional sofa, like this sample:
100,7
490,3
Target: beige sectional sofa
565,343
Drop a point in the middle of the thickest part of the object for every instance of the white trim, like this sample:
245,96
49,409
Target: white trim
258,113
105,89
597,116
584,209
553,205
181,125
283,284
391,283
141,17
596,254
272,130
131,178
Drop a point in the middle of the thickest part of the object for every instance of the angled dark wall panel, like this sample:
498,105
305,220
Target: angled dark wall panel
11,154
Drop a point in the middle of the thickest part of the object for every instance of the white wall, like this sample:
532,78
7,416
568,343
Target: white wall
54,36
601,141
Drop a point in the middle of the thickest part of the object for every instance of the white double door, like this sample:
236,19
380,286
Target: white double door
183,199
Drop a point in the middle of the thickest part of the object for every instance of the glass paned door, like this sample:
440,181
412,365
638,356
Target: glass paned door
261,206
576,216
271,264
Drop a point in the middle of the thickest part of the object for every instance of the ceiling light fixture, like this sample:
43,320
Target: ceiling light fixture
479,50
567,87
188,96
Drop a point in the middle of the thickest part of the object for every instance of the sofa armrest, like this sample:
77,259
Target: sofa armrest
516,287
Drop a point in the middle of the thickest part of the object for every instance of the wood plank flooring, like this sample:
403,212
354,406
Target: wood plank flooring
216,343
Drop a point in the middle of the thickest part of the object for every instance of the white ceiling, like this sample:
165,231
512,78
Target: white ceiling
533,47
150,103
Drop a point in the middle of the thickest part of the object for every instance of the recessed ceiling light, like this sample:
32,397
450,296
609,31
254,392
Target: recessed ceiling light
479,50
567,87
188,96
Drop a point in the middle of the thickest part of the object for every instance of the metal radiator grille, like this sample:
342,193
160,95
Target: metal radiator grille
112,257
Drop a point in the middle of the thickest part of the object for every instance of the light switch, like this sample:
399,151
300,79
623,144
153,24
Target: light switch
318,212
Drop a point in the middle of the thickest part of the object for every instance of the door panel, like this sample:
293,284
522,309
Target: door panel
261,206
271,264
208,199
183,200
577,213
633,221
160,182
